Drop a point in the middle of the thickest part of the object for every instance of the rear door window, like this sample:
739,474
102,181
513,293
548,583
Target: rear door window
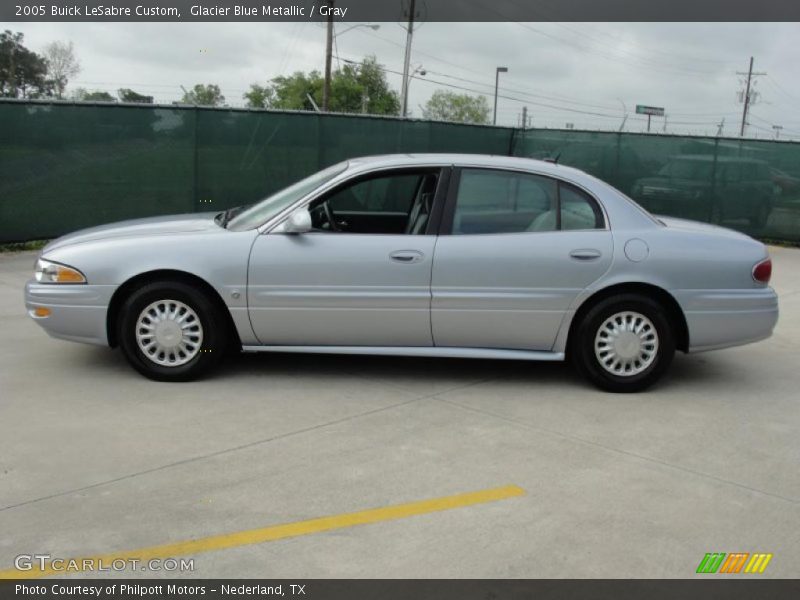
495,201
491,201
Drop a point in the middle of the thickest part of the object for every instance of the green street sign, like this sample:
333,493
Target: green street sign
655,111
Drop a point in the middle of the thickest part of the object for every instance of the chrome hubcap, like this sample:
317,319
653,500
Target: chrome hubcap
626,343
169,333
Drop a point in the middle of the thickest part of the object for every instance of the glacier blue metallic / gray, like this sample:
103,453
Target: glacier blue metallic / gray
420,255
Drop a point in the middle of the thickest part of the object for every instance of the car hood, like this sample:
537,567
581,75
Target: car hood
173,224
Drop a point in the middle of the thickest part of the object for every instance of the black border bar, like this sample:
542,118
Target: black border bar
712,588
397,10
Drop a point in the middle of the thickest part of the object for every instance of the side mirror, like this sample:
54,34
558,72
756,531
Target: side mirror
298,222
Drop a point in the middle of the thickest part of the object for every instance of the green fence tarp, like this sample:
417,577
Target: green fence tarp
66,166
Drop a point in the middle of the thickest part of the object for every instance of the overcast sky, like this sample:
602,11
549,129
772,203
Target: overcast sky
560,71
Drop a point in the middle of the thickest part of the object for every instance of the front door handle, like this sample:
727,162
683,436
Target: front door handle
586,254
407,256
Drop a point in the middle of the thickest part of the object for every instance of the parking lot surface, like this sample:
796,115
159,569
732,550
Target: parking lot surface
96,460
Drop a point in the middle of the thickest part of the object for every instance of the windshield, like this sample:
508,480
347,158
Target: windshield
272,205
687,169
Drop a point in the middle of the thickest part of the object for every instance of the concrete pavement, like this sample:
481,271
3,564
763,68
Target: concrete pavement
95,459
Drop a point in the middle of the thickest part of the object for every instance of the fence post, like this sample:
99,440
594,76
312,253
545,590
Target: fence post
320,139
512,141
195,198
713,199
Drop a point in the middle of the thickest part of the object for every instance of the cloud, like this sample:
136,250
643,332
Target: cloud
563,72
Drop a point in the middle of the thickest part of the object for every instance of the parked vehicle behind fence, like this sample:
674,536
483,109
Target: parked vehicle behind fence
709,188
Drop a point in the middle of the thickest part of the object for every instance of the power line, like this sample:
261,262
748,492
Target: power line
522,90
505,96
583,35
642,62
771,81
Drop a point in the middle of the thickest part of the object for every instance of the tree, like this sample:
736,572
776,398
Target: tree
258,96
204,95
62,65
368,89
23,73
355,88
461,108
287,93
83,95
128,95
99,97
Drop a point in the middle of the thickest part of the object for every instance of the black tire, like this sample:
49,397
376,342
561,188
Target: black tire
582,347
213,343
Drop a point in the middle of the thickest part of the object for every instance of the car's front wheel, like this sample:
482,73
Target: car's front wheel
624,343
171,331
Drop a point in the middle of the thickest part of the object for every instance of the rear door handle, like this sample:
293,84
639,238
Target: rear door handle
407,256
586,254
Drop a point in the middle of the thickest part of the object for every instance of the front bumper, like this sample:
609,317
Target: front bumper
723,318
77,312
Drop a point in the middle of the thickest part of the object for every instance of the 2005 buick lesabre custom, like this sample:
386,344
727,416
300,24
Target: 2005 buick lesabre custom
417,255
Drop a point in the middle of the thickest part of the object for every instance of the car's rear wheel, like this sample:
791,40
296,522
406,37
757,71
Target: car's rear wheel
624,343
171,331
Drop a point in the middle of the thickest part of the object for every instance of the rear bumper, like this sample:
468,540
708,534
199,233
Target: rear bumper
724,318
77,312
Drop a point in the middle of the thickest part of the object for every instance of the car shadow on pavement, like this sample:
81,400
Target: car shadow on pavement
401,371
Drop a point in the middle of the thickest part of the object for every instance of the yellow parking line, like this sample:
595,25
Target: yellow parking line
279,532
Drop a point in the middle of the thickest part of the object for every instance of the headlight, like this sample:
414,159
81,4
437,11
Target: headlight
50,272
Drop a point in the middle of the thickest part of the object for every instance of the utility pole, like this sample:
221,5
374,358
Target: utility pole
665,123
777,129
326,89
720,126
12,70
524,117
747,96
407,59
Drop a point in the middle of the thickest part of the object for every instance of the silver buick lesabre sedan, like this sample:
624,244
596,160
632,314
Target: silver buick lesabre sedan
416,255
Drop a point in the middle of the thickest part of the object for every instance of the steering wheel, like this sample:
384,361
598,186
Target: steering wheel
329,215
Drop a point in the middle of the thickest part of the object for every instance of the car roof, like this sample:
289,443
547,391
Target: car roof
473,160
720,159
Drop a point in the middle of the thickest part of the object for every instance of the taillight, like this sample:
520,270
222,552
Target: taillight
763,271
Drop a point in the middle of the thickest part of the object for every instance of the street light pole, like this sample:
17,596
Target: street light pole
496,84
373,26
422,72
